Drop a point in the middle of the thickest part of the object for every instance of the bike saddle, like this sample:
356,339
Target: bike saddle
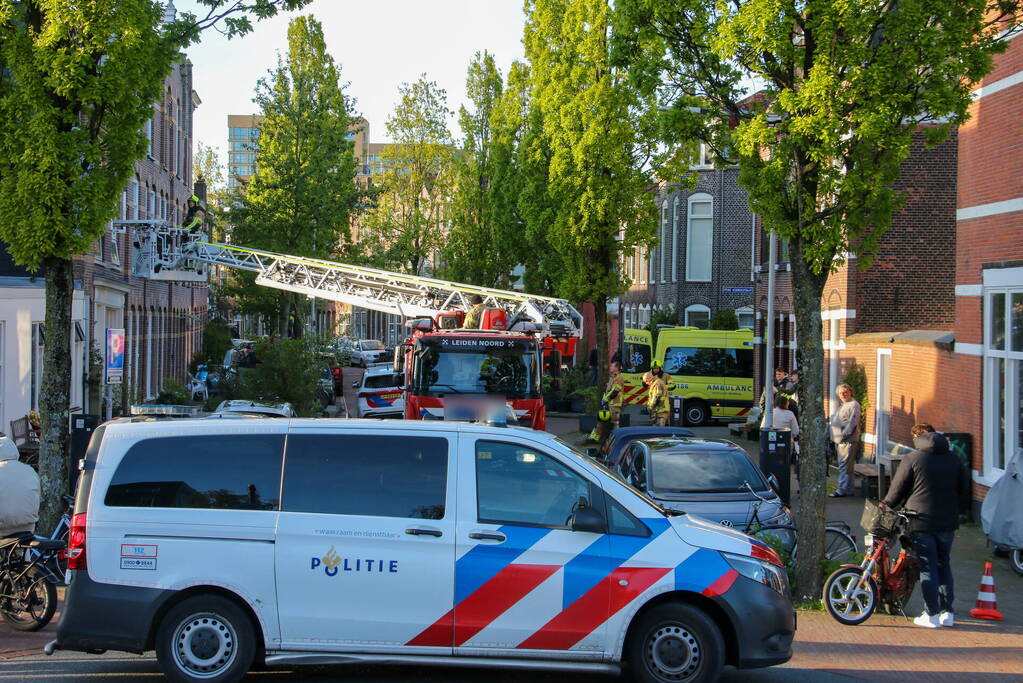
19,538
46,544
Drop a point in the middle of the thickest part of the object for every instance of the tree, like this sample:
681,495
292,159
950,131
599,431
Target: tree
301,198
469,255
206,162
724,319
845,86
405,227
595,127
77,83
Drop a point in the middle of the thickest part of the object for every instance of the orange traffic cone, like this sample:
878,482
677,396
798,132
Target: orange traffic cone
987,601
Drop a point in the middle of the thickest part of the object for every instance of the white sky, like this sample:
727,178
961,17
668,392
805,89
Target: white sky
378,44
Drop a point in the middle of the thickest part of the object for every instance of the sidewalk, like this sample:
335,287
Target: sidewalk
17,643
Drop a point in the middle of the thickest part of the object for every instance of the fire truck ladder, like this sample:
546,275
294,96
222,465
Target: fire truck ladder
380,290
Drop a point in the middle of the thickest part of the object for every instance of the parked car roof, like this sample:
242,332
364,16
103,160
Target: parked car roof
256,408
610,452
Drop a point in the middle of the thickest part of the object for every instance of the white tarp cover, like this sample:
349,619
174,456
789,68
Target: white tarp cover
1002,510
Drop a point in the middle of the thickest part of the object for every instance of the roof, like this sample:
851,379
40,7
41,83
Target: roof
693,444
635,432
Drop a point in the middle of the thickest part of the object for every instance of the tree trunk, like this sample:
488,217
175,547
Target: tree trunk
601,323
284,319
813,433
55,393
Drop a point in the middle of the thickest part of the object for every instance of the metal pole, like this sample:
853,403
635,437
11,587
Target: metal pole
769,342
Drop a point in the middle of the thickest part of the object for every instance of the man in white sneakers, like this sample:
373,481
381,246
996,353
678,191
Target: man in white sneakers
928,484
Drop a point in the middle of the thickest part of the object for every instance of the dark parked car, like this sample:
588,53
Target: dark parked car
610,452
711,478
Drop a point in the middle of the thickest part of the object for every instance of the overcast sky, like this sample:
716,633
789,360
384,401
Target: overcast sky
379,44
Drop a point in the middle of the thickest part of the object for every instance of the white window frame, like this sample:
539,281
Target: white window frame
664,241
745,310
1000,281
700,197
674,239
696,308
651,265
703,158
882,440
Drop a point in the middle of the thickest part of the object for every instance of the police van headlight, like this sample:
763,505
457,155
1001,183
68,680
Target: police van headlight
760,571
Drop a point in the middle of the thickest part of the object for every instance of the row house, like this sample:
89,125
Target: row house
163,321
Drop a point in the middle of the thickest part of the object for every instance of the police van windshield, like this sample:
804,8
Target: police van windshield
505,367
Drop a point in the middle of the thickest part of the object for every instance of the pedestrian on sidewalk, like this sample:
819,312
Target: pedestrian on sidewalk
782,417
929,483
845,433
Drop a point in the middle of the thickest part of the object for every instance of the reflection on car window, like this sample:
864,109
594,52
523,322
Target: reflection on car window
520,485
236,472
636,358
372,345
687,361
372,475
707,471
383,381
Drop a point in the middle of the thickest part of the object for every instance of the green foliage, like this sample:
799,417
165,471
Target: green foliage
724,319
660,316
174,392
302,196
216,342
405,228
288,370
206,163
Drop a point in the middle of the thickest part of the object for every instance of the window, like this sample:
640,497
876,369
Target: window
704,157
700,238
708,362
36,369
241,158
243,147
674,238
520,485
635,357
745,316
673,470
698,315
151,205
665,238
1003,378
368,475
149,137
236,472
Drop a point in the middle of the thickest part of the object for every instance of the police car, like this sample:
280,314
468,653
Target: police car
218,543
380,392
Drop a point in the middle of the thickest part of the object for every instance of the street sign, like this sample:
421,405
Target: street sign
113,364
738,290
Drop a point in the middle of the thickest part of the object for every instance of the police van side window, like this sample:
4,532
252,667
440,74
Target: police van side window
366,475
520,485
232,472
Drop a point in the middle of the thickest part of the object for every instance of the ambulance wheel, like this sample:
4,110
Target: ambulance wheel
697,413
205,638
676,643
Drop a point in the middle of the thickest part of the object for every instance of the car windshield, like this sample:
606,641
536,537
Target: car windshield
673,470
478,367
372,345
383,381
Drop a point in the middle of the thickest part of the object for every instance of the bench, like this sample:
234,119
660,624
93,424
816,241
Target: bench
26,439
867,472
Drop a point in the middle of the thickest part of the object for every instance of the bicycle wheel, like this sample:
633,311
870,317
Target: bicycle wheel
28,602
848,597
838,547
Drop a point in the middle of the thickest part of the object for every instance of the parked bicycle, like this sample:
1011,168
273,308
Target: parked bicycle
839,543
57,562
28,587
854,592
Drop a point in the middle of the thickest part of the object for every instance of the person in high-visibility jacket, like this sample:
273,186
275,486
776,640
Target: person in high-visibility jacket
602,429
474,318
614,394
657,397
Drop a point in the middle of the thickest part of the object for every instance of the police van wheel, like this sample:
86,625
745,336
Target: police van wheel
697,413
205,638
676,643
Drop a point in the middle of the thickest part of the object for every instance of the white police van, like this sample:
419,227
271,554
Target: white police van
224,543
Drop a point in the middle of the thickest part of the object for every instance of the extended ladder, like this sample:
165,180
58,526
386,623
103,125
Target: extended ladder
180,257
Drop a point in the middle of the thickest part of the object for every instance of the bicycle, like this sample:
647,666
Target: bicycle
28,587
839,543
853,592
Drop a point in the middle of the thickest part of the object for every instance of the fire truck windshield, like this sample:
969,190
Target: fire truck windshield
505,367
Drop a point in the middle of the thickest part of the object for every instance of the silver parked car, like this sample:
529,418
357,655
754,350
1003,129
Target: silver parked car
710,478
254,408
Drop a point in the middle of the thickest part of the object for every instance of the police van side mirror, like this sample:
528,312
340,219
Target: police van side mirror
588,519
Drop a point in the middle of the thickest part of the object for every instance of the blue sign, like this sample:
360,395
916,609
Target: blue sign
738,290
113,362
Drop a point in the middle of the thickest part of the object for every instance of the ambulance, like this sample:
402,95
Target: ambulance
711,369
224,545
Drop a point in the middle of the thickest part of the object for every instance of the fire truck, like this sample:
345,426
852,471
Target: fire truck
450,372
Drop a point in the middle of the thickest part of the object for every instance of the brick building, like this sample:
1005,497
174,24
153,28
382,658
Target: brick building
163,320
701,263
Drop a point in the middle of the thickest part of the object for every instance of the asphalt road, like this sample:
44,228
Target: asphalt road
65,667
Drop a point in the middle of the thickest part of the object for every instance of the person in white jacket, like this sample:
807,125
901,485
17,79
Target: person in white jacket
19,492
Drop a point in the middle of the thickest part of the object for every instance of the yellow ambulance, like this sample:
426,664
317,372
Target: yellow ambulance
711,369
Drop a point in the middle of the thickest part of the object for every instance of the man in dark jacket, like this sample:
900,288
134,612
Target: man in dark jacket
928,483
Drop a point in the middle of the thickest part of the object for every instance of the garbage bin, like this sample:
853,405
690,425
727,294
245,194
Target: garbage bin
776,459
677,418
82,427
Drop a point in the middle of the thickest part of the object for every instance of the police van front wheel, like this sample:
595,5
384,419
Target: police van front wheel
697,413
676,643
205,638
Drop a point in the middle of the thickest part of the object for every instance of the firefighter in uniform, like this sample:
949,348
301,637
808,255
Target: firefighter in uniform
474,318
614,394
657,397
194,217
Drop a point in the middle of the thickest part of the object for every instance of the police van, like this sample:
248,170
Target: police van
711,369
223,544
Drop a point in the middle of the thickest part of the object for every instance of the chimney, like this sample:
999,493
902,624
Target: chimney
199,187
